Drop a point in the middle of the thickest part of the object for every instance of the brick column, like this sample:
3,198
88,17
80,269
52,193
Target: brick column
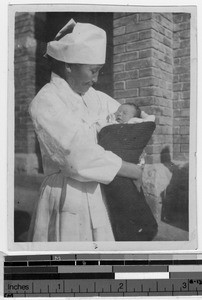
26,48
152,69
181,86
143,72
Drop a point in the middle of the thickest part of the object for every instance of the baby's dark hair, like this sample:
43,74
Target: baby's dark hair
137,109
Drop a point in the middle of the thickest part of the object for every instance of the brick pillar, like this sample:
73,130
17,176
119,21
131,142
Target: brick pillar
26,48
143,72
181,86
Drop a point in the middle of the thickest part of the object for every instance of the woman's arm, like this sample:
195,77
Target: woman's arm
68,143
130,170
133,172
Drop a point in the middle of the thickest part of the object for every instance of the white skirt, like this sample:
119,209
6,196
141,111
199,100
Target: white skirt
69,210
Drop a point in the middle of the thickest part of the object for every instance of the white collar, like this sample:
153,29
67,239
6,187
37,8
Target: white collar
76,99
59,80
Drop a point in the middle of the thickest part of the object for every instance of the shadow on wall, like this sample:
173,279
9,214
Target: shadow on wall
175,202
21,225
26,194
42,69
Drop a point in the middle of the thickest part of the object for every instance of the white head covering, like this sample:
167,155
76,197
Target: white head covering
86,44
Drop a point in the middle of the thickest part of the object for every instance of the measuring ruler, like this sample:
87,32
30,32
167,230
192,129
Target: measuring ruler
100,275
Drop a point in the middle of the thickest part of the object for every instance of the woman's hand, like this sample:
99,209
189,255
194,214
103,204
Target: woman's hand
133,172
138,183
147,118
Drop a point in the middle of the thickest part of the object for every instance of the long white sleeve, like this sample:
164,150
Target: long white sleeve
68,140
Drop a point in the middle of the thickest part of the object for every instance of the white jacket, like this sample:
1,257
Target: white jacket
71,206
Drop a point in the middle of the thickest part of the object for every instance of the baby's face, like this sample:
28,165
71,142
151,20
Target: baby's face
124,113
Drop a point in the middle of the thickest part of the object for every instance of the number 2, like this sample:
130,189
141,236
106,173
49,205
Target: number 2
120,286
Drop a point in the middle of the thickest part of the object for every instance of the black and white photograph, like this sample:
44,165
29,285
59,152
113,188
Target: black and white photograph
102,128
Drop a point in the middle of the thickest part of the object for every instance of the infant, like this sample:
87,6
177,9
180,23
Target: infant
130,215
130,113
127,113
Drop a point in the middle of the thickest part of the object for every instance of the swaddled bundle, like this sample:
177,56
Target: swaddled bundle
129,213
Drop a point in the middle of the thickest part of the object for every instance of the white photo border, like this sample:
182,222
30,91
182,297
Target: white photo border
112,247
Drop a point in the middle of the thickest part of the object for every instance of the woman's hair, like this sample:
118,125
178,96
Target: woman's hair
57,66
136,107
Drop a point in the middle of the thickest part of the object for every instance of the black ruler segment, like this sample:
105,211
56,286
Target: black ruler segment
111,262
15,263
63,263
39,263
87,262
86,275
55,276
136,262
160,262
187,262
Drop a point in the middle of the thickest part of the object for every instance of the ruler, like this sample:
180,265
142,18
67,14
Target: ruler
101,275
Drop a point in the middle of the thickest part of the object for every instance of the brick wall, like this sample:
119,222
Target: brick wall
181,86
144,69
27,82
24,79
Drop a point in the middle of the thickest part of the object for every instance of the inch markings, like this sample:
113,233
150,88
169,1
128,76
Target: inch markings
89,275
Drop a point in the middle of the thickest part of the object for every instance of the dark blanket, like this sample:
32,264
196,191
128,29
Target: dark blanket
129,213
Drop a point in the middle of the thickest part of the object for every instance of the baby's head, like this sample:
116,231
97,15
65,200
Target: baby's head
126,112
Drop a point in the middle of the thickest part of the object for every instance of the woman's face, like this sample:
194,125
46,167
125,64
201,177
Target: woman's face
82,77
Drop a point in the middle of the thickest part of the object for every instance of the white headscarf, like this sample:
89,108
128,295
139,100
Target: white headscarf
86,44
